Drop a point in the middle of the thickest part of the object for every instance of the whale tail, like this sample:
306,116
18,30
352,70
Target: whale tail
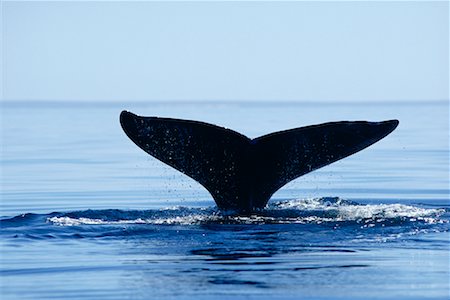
242,173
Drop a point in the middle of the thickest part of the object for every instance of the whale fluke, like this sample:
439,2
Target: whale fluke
242,173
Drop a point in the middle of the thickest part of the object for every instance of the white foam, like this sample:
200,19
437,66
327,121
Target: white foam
68,221
349,211
385,211
312,211
179,220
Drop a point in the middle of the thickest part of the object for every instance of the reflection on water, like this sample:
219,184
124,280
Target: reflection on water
322,251
293,245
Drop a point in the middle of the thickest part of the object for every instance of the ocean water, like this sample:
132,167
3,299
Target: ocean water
87,214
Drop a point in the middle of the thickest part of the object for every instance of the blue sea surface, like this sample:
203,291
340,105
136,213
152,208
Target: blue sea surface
85,214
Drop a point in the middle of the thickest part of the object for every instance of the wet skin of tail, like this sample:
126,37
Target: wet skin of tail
242,173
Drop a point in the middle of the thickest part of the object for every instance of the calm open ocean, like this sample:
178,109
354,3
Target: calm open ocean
85,214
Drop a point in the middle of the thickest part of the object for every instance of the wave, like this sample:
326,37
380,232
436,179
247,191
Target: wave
301,211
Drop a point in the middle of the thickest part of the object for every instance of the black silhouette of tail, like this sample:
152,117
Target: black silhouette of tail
241,173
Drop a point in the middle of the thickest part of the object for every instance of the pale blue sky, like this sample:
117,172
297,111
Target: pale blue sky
305,51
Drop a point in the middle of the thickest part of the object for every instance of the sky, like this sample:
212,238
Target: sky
253,51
